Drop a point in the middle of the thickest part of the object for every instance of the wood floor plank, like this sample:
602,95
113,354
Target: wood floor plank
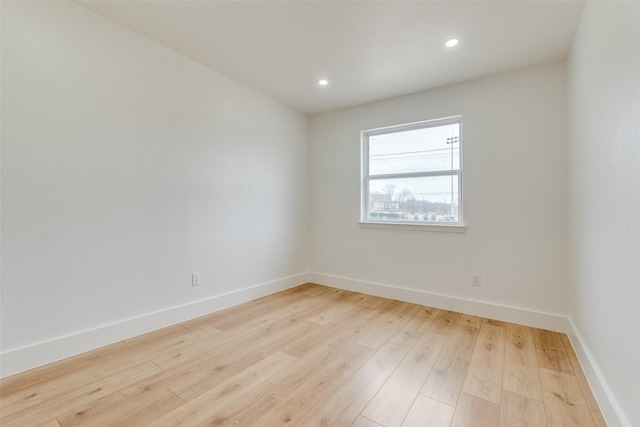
339,307
52,399
392,402
216,349
290,325
317,290
364,422
472,411
301,402
303,288
520,411
445,380
494,322
365,320
375,338
48,423
343,338
445,323
204,406
380,313
556,360
375,302
563,400
242,412
303,309
545,339
199,350
202,377
118,410
344,406
592,404
142,415
293,358
521,367
116,407
69,366
470,320
156,346
353,326
484,375
264,313
427,412
309,338
415,327
193,338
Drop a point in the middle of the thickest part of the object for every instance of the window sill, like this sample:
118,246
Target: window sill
443,228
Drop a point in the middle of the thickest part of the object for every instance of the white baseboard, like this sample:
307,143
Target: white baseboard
522,316
611,410
32,356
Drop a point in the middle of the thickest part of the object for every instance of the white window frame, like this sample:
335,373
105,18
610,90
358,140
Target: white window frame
365,221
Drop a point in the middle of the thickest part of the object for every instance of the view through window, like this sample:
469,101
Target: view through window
412,173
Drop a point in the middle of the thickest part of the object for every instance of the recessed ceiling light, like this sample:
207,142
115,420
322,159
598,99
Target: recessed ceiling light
323,82
452,42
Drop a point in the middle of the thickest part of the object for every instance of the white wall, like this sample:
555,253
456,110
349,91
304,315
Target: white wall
604,203
125,167
515,190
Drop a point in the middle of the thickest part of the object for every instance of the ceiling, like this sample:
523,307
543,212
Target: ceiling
367,50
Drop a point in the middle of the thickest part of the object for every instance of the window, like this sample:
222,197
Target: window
412,174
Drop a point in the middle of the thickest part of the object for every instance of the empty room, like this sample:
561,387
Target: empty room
320,213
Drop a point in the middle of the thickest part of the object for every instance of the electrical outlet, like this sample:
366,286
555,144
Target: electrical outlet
195,279
476,280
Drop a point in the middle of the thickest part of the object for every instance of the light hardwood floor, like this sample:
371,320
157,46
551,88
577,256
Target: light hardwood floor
315,356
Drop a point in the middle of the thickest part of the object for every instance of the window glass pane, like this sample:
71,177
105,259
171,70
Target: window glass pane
424,199
417,150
